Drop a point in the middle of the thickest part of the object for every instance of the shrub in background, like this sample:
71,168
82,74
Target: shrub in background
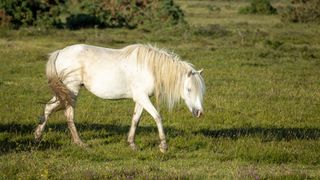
75,14
77,21
169,12
29,12
302,11
259,7
100,13
4,19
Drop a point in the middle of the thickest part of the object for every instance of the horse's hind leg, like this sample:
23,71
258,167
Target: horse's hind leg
73,87
49,108
135,121
69,112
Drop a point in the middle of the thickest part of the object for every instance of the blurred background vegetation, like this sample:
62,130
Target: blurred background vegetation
76,14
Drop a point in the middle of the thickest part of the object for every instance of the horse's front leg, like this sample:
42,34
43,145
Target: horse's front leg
135,121
147,105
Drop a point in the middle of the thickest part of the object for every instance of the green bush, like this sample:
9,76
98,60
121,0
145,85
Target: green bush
167,11
259,7
302,11
77,21
75,14
101,14
30,12
4,19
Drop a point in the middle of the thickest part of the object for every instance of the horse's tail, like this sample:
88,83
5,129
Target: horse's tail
55,81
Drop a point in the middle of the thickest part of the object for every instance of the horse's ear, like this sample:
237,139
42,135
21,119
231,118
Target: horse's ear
200,71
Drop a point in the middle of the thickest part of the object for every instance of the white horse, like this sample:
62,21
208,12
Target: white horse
136,71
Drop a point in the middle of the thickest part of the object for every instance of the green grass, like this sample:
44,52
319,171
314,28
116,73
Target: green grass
262,104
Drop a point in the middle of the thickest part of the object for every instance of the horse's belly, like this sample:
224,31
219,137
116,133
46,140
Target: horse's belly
109,87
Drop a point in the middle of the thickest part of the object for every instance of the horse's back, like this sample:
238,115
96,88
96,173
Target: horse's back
88,52
82,56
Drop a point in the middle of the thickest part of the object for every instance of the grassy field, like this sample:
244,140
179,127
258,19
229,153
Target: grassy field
262,104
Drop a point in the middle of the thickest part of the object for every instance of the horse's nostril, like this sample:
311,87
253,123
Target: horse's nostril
195,112
199,114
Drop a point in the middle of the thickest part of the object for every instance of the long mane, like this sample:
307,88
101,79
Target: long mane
169,72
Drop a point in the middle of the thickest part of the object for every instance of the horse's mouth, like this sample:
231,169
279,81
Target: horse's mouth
197,113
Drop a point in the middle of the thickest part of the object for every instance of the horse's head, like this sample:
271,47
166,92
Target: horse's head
193,90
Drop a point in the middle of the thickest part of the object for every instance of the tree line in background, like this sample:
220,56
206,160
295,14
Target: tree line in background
76,14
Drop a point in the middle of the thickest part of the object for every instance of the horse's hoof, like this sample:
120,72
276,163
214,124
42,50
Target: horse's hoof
37,140
163,147
37,137
134,147
81,144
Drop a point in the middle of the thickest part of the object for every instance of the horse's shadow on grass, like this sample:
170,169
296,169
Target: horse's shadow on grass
19,137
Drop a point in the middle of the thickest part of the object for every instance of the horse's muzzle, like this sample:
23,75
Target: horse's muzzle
196,113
